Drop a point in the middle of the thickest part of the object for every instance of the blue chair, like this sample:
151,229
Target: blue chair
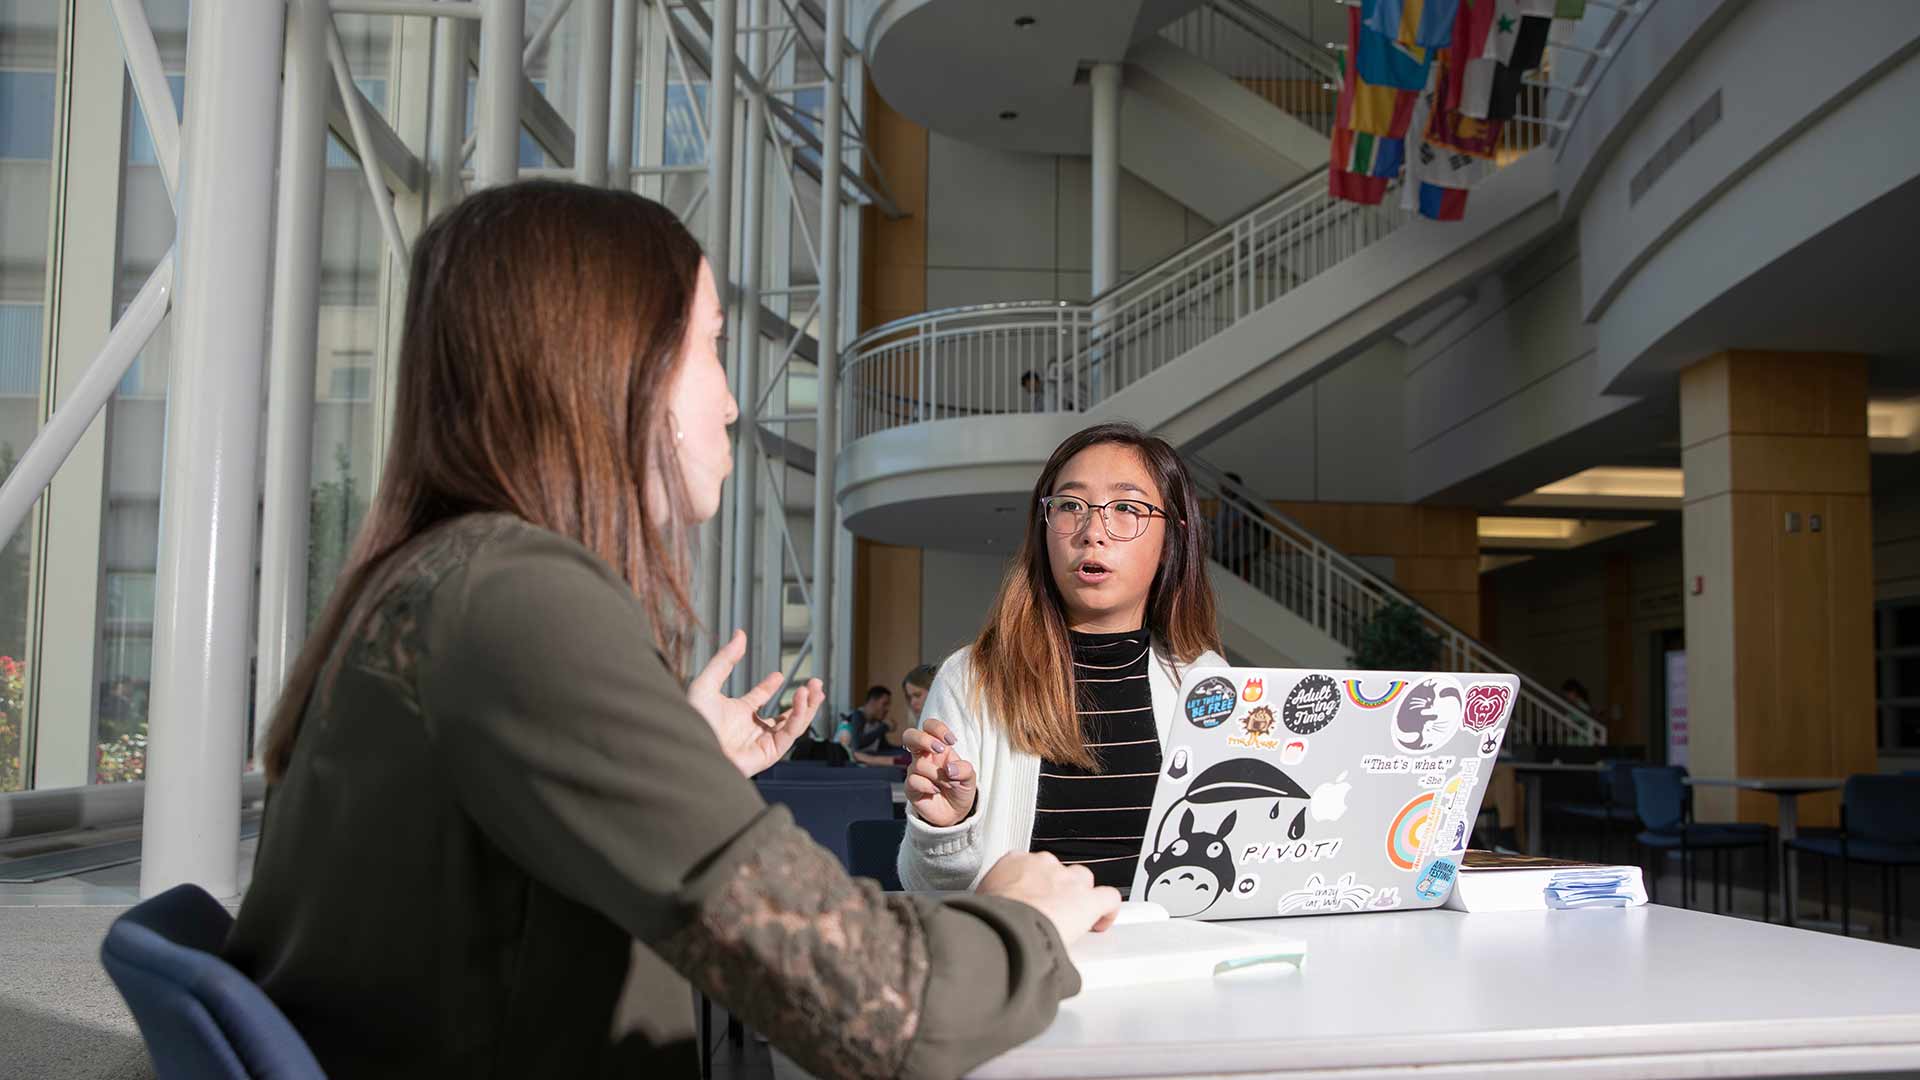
200,1017
788,772
873,850
1615,808
825,810
1879,825
1664,804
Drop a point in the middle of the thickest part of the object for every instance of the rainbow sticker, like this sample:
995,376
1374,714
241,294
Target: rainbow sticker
1358,694
1405,835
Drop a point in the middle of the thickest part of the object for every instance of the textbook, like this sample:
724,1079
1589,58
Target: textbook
1145,946
1490,881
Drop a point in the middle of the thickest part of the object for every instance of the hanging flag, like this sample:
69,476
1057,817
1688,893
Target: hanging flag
1378,110
1426,23
1353,187
1437,179
1367,154
1475,45
1530,47
1384,61
1447,126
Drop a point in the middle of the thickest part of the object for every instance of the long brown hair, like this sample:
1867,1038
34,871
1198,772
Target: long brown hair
544,321
1024,657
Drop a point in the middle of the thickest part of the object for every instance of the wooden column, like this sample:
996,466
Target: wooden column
1778,573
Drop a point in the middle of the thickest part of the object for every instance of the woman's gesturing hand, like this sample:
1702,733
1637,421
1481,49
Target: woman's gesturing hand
940,785
750,741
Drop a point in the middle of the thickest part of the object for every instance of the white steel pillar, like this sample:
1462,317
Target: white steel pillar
620,105
751,349
496,157
291,354
827,432
452,41
202,602
720,99
1106,176
590,119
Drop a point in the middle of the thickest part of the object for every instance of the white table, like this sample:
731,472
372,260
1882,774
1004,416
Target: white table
1633,992
1530,773
1788,791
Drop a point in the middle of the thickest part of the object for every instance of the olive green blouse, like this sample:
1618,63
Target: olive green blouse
506,845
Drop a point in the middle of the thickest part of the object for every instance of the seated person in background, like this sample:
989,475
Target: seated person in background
506,833
891,750
862,729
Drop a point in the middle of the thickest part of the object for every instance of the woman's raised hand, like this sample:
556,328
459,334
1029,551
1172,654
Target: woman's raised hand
940,783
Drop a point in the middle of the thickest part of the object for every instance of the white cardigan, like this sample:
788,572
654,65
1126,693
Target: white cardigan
1007,781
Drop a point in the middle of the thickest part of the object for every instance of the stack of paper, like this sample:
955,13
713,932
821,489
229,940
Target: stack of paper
1495,882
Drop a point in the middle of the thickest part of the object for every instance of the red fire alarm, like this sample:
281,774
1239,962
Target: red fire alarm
1699,584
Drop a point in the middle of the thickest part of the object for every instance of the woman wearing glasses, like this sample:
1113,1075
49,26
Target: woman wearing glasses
1046,733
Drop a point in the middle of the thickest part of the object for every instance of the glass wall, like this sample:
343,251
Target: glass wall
29,85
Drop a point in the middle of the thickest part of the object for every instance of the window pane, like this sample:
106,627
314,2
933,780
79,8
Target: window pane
1906,728
29,44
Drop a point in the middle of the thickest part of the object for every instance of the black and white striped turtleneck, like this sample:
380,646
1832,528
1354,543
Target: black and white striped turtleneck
1098,818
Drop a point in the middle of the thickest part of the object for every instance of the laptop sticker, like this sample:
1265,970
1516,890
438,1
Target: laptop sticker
1187,873
1311,705
1385,900
1256,689
1320,898
1211,701
1406,837
1357,693
1429,715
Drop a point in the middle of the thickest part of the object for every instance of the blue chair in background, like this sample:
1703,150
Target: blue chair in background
1664,804
1613,807
1879,825
825,809
199,1016
873,850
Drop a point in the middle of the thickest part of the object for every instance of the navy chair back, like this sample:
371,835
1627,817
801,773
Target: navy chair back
873,849
1883,809
1660,797
200,1017
807,774
825,810
1620,790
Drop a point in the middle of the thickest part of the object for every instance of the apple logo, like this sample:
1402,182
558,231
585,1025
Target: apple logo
1329,801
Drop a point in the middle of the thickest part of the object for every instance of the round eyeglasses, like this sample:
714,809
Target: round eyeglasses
1125,519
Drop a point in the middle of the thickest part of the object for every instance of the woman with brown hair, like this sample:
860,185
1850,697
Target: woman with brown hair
503,836
1045,735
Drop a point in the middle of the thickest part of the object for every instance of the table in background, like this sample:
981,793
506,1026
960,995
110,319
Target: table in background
1788,791
1530,773
1617,992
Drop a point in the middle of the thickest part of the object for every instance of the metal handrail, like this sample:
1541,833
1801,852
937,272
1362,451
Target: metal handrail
1265,56
1337,596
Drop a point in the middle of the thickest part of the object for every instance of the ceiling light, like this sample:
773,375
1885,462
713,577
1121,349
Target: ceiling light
1024,21
1009,114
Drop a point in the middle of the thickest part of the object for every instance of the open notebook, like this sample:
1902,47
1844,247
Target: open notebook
1145,946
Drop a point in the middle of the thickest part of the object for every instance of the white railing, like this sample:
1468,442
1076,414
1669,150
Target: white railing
1337,596
1265,56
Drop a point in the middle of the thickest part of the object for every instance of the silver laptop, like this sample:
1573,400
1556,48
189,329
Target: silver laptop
1293,792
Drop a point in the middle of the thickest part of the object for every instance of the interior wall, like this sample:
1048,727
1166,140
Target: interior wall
956,589
1003,225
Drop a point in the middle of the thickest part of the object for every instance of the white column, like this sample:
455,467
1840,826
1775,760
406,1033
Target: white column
203,599
63,617
452,42
296,335
496,156
827,432
1106,176
751,349
720,98
620,103
590,119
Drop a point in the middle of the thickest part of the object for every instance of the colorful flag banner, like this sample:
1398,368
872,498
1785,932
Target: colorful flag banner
1384,61
1380,110
1437,179
1426,23
1528,51
1449,127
